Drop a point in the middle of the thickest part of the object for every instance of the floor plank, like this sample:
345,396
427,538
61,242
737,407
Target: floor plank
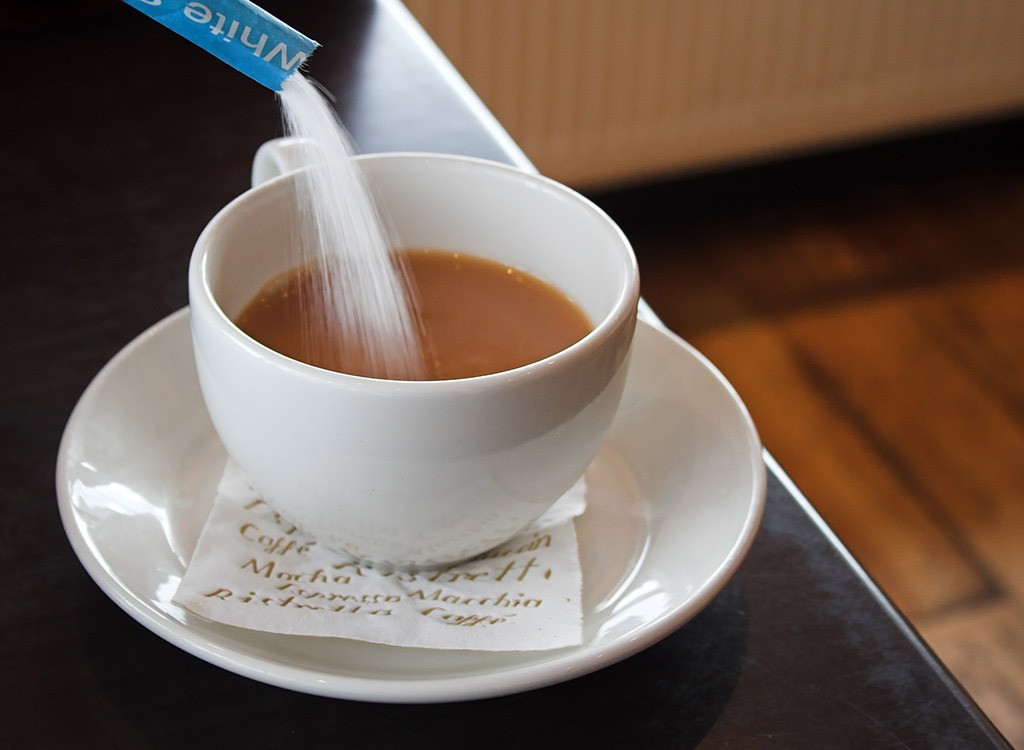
869,307
984,649
871,509
950,439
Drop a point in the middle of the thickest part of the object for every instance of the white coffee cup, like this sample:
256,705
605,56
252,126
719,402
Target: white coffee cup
416,474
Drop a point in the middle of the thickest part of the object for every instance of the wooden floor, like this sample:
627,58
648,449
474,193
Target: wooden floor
869,308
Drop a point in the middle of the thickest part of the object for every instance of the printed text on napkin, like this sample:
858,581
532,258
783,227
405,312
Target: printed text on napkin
253,569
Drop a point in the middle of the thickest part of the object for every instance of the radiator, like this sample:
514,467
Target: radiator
611,91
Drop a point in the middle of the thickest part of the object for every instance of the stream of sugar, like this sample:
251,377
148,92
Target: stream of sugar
367,296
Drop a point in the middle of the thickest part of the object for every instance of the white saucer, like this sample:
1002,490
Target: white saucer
675,498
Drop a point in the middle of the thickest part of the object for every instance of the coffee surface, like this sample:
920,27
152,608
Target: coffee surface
476,317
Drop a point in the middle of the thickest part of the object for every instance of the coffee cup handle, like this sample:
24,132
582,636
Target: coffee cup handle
277,157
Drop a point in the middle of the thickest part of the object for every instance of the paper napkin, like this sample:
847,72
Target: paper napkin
252,569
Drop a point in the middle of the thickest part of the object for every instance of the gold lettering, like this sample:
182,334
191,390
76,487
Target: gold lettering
465,621
419,594
265,571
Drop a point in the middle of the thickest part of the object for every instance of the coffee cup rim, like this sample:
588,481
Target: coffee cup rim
622,312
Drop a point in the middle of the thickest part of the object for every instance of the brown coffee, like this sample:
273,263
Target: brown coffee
476,317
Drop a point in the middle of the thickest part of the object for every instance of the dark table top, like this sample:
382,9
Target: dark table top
119,142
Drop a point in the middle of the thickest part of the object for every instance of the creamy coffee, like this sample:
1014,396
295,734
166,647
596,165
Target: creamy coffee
476,317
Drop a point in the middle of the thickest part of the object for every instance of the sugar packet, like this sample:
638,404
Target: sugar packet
238,32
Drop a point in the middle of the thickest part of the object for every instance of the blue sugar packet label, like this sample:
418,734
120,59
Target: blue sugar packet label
238,32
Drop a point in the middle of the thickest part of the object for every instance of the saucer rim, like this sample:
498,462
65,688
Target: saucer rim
566,663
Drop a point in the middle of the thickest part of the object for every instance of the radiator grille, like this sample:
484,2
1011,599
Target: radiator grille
599,91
